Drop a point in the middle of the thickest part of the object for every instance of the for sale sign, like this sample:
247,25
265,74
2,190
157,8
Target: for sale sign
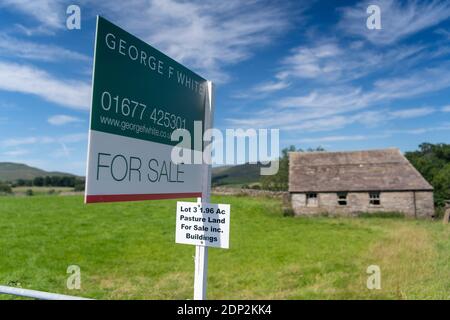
139,97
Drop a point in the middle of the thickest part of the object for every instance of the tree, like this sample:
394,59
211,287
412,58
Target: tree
441,183
47,181
433,162
38,182
5,188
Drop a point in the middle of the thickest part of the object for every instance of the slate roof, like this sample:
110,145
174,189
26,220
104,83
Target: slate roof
370,170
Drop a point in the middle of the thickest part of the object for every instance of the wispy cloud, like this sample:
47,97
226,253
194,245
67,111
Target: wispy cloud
440,127
11,46
59,120
444,33
329,61
411,113
334,108
48,13
446,109
15,153
340,138
31,80
63,151
399,19
21,141
206,35
326,61
268,87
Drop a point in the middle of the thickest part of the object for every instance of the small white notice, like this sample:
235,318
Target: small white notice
203,224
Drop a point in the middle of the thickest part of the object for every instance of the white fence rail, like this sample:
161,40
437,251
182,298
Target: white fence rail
41,295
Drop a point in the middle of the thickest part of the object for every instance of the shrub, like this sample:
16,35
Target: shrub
381,215
29,192
5,188
288,212
79,187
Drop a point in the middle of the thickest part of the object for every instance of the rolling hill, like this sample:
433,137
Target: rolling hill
224,175
10,171
236,175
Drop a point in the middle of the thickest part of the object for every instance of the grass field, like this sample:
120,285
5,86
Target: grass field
127,251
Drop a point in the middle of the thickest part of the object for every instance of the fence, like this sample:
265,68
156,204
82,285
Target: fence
41,295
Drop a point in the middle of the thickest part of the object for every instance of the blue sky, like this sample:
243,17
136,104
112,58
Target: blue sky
309,68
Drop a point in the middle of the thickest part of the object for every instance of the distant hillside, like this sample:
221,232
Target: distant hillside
236,175
10,171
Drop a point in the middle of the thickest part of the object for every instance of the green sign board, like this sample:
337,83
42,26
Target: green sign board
139,97
139,92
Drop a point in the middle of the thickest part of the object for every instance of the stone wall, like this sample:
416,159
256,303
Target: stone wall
248,192
424,204
358,202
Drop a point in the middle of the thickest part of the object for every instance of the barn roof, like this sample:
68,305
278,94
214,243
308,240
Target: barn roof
372,170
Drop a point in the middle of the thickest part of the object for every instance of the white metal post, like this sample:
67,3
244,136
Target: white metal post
201,252
37,294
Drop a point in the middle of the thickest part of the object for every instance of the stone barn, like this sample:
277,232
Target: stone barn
346,183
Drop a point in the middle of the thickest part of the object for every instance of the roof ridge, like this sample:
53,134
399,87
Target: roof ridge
352,151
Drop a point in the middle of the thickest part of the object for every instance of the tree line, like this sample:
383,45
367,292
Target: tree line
51,181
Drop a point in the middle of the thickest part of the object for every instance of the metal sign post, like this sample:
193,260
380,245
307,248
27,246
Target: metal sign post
201,252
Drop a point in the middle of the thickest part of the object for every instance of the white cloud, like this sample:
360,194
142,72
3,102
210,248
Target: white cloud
311,61
325,61
444,33
15,142
446,109
33,140
411,113
271,86
205,35
59,120
49,14
328,61
340,138
10,46
399,19
441,127
15,153
332,108
31,80
72,138
64,151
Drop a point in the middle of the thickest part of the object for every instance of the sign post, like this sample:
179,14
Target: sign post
201,252
140,97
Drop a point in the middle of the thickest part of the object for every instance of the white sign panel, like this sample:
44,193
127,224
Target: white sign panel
203,224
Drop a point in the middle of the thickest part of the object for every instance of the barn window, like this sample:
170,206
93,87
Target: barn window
374,198
311,199
342,198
